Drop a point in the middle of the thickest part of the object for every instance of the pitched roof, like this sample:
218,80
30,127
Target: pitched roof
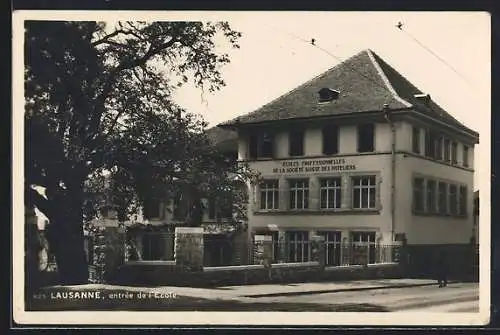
225,139
365,82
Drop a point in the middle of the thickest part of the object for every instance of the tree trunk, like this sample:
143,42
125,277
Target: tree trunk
66,240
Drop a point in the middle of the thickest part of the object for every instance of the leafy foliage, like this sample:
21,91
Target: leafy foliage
98,101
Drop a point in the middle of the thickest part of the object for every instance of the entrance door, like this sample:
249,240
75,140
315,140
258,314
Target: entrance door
332,247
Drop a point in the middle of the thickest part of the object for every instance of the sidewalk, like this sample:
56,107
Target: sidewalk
248,292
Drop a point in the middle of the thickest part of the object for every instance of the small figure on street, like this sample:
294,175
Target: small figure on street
441,269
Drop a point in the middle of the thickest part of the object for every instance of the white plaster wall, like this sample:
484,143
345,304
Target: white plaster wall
427,229
365,164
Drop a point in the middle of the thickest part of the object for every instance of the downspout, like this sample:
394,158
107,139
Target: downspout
387,116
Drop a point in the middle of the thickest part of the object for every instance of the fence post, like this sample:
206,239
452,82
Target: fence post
318,250
189,248
263,250
281,247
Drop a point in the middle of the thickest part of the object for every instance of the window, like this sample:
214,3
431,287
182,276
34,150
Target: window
327,94
438,148
366,137
431,196
416,140
363,245
181,206
447,149
152,208
261,145
452,199
443,198
157,246
463,200
364,190
269,195
418,194
330,140
299,194
219,209
429,144
433,145
332,247
296,143
330,193
298,246
454,153
466,156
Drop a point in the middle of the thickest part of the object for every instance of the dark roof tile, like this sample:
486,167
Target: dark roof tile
365,82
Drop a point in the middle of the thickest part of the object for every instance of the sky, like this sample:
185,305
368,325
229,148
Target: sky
445,54
276,56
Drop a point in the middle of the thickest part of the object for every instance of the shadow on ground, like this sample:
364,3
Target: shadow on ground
110,300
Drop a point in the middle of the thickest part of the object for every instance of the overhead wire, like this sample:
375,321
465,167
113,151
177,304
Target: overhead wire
315,44
400,26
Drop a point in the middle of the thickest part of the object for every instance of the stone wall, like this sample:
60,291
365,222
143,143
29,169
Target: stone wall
165,274
419,261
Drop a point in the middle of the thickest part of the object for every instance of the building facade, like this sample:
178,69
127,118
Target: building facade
357,155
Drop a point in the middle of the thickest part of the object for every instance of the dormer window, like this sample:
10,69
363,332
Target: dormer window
328,94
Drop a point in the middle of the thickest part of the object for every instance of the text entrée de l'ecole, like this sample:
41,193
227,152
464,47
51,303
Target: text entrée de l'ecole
90,295
314,166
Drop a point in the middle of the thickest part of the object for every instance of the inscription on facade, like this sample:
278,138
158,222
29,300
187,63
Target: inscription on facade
314,166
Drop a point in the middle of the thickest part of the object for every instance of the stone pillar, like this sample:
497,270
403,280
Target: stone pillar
189,248
318,249
108,254
346,248
282,246
263,250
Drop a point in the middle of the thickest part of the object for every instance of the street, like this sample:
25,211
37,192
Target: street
457,297
390,295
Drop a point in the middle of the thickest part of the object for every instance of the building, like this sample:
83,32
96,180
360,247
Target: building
358,155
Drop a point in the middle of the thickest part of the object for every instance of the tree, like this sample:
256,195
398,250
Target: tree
98,98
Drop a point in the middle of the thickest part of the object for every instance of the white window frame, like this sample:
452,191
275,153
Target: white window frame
362,188
462,200
334,186
447,150
465,156
292,238
453,198
294,188
421,193
434,193
440,210
454,152
271,189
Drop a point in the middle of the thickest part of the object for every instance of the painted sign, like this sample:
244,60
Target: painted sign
314,166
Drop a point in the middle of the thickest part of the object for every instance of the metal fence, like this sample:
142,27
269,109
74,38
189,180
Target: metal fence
222,251
335,254
154,246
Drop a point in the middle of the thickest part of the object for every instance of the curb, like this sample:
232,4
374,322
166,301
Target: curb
338,290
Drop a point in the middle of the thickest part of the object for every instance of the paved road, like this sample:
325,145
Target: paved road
457,297
390,295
